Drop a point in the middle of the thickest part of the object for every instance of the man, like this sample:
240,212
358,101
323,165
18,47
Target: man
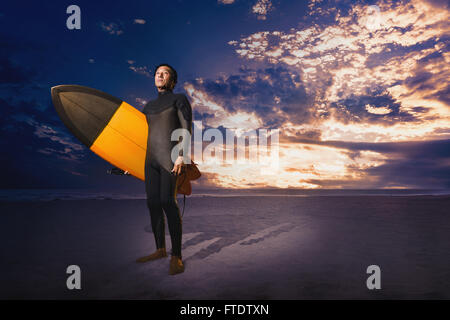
165,114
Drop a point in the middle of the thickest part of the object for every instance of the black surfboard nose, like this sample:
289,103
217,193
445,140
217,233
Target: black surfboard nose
84,111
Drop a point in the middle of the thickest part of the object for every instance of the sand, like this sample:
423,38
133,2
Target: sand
250,247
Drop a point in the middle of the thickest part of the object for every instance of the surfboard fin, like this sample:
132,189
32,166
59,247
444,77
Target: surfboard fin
117,171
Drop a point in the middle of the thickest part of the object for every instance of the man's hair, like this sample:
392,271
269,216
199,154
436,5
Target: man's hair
173,72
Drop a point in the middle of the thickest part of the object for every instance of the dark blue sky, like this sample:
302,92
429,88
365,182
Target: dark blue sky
261,57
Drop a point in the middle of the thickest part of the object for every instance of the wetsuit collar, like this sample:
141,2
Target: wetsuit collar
161,93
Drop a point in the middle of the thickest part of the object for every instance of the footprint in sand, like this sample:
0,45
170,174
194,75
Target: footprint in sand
194,247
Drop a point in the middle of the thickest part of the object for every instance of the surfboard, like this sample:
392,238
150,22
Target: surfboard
108,126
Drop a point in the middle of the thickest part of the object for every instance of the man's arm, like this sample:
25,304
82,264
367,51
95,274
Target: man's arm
144,111
184,111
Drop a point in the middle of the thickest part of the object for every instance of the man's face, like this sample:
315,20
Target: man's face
163,78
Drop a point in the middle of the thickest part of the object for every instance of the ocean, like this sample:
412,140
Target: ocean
18,195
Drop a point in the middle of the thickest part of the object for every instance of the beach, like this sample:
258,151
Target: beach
234,247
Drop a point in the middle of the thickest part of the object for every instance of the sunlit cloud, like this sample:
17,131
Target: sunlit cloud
300,166
262,8
218,115
347,59
379,110
140,70
225,1
377,74
141,101
111,28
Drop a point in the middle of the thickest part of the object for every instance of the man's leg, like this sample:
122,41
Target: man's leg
152,188
174,220
170,206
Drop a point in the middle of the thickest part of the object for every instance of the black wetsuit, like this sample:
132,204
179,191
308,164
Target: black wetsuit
165,114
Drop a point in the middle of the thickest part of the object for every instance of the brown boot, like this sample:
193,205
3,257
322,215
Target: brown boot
158,254
176,265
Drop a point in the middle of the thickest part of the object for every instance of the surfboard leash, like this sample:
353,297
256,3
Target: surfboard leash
184,202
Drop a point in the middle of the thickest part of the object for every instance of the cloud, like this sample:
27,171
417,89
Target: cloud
13,73
370,108
356,96
39,151
415,165
36,124
377,110
261,8
269,97
400,66
338,164
42,153
111,28
140,70
39,147
225,1
141,101
412,164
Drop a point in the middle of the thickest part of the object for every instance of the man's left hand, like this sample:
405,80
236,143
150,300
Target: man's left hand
178,166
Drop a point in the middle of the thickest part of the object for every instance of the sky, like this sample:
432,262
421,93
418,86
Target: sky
358,90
